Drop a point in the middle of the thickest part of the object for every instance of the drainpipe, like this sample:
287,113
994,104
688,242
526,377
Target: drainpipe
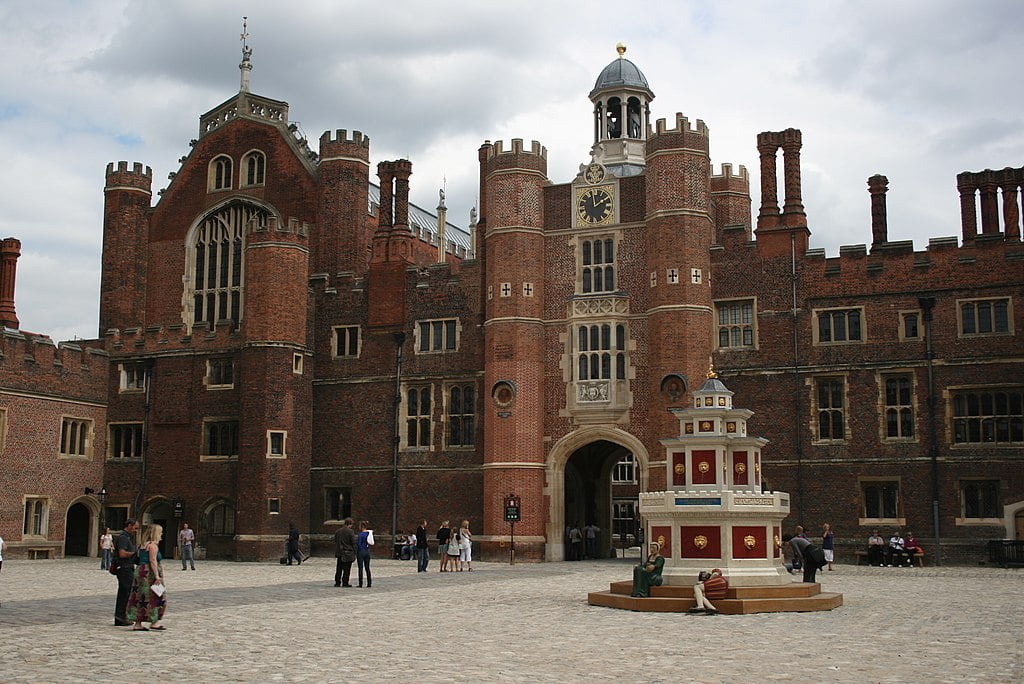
797,393
146,406
927,304
399,338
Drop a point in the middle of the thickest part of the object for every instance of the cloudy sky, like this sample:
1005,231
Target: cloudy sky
918,90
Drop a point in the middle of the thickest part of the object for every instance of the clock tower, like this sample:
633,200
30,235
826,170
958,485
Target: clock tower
622,115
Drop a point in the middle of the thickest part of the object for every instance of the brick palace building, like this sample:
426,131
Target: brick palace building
283,337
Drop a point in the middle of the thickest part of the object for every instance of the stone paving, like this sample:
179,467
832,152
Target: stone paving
262,622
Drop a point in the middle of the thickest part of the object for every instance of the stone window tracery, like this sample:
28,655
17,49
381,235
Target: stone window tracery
220,173
899,407
214,280
254,166
735,324
597,262
985,317
461,411
417,408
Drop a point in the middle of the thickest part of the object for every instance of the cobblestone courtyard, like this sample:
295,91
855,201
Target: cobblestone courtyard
260,622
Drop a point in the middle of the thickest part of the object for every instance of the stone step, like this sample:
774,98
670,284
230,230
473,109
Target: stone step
791,590
745,606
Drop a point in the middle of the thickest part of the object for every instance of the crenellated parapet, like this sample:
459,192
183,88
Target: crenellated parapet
731,181
120,177
730,196
170,339
517,157
34,362
683,135
340,146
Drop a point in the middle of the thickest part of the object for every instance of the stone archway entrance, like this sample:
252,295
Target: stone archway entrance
159,512
588,492
578,483
77,532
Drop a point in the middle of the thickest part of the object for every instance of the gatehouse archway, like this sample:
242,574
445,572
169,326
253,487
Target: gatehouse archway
578,481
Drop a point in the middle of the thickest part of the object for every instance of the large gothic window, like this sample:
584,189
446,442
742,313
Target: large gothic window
216,261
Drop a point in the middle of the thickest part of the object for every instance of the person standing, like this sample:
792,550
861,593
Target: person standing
186,542
1,554
148,599
106,549
466,546
292,547
828,544
444,533
124,554
344,552
363,543
422,547
453,549
590,533
575,543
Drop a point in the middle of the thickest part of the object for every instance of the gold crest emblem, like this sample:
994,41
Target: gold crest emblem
741,468
749,541
700,541
680,469
703,467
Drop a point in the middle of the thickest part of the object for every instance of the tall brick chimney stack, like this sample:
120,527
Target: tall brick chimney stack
878,185
10,250
768,216
791,142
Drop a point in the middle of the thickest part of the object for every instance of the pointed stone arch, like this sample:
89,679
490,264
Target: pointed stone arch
91,543
554,489
1010,514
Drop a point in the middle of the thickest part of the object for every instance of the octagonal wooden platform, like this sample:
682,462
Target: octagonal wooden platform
797,597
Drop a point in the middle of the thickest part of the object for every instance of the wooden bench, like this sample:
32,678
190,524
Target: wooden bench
862,555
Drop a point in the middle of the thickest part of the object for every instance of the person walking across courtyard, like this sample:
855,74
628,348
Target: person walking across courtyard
422,547
186,546
148,600
345,553
364,545
292,546
124,557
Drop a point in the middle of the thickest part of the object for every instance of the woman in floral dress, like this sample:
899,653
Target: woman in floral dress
148,600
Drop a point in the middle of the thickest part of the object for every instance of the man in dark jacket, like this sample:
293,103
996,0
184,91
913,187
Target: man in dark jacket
422,548
124,556
812,557
344,552
292,548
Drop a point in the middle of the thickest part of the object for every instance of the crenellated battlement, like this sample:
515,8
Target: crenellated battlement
498,148
160,339
34,358
730,181
271,228
120,176
682,125
340,144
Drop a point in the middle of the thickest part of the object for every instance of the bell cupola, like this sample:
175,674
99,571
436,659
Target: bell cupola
622,115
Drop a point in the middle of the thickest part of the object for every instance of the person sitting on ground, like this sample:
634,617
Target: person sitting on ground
648,574
876,549
897,549
710,585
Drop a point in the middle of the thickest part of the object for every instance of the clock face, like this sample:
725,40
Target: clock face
594,206
594,173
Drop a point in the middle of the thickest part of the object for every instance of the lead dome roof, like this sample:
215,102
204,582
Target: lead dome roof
621,73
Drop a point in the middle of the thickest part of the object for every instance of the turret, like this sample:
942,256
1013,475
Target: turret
514,282
678,236
730,196
126,208
342,243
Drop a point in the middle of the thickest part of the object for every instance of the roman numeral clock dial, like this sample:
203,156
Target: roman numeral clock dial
594,206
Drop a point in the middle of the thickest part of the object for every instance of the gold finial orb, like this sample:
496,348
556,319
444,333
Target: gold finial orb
621,49
711,371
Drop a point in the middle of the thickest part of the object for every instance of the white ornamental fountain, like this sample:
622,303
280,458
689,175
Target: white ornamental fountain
715,513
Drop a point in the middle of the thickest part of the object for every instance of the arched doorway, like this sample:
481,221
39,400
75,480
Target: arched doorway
77,530
579,473
216,533
588,491
159,512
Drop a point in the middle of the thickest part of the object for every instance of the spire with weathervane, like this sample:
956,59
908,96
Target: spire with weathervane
245,66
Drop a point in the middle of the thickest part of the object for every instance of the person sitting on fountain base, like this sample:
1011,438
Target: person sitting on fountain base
710,585
648,574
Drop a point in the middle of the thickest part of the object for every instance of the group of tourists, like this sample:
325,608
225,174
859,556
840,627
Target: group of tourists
455,545
899,551
350,546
